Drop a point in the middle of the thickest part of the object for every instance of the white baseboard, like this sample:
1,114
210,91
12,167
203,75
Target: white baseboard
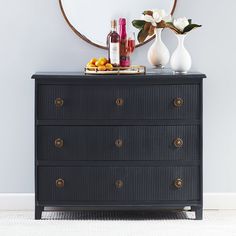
219,201
17,201
25,201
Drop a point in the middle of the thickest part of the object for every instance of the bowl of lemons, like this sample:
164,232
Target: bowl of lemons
101,64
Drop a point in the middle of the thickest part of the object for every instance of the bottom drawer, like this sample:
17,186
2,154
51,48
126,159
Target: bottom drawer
94,185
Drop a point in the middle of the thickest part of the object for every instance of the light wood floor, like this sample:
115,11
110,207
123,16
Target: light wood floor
221,223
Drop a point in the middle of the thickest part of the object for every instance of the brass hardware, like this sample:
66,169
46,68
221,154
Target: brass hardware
119,143
178,102
119,102
178,143
178,183
60,183
59,102
59,143
119,184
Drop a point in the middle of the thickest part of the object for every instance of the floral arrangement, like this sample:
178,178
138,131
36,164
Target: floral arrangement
153,19
182,25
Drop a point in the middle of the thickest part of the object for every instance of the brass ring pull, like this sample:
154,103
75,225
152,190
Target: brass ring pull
119,102
178,183
119,143
60,183
59,143
178,102
59,102
178,143
119,184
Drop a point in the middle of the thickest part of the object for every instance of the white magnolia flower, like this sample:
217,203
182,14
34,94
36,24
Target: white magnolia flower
160,15
157,17
181,23
150,19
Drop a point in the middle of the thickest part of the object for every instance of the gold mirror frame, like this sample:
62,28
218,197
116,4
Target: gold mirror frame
98,45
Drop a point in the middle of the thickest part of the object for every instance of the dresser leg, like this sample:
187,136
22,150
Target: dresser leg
38,212
198,213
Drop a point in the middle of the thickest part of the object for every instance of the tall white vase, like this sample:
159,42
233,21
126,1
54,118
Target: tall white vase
181,61
158,53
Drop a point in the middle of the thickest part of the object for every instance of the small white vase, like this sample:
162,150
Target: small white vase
158,53
181,61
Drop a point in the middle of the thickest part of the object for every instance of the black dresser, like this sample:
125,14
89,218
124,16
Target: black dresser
118,142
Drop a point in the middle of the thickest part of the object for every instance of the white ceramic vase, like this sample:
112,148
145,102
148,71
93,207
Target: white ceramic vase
158,53
181,61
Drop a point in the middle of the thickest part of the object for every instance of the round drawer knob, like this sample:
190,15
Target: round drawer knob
178,143
119,184
119,102
59,102
178,102
119,143
60,183
178,183
59,143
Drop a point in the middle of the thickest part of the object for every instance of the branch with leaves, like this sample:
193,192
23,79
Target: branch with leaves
153,19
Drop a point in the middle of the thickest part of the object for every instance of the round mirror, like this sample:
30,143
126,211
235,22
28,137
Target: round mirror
90,20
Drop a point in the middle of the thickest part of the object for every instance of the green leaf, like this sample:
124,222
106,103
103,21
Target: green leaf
190,21
142,35
147,26
151,30
139,24
171,26
161,24
148,12
190,27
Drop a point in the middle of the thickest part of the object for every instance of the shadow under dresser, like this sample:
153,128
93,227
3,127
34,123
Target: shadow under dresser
118,142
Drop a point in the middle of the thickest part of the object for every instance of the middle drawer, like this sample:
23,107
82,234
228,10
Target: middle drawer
118,143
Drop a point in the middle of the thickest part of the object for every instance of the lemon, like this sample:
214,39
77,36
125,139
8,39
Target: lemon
103,59
109,66
90,66
100,63
93,60
102,68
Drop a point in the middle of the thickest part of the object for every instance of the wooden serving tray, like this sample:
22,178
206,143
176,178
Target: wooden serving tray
132,70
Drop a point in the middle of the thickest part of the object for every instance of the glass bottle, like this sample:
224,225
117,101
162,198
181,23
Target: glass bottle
113,44
124,54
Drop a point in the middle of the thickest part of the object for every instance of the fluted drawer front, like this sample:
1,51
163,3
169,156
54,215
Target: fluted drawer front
119,143
61,102
118,184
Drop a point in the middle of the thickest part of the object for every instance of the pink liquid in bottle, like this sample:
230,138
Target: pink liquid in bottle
124,49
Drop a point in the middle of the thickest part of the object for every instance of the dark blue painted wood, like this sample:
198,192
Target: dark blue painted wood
139,143
141,102
89,123
97,184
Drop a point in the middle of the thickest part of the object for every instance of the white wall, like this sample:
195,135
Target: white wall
34,37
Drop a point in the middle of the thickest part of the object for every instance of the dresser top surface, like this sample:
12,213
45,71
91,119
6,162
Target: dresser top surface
151,74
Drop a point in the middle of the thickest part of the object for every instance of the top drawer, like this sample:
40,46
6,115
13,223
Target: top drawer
106,102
